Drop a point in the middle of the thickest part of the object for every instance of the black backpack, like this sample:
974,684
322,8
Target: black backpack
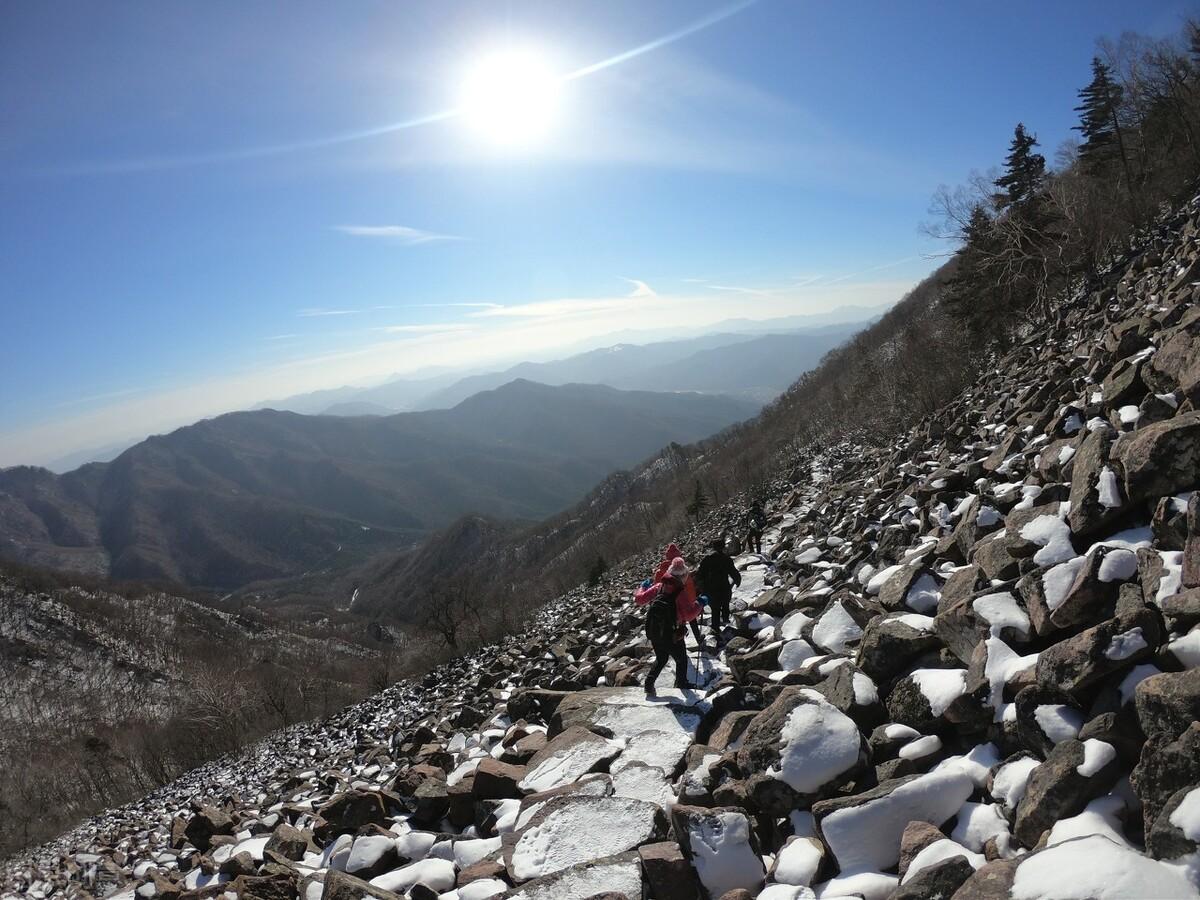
660,618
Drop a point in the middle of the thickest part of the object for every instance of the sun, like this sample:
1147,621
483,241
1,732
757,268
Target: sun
511,97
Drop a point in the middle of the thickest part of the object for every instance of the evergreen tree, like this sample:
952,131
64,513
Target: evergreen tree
977,233
1098,123
1023,171
699,502
1100,126
970,293
599,567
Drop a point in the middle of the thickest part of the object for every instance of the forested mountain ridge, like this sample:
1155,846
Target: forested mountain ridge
259,495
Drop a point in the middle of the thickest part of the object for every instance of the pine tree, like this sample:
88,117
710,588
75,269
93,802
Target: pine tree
1098,123
699,502
599,567
1023,171
978,230
970,293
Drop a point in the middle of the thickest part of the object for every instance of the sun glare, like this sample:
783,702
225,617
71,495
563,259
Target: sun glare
511,98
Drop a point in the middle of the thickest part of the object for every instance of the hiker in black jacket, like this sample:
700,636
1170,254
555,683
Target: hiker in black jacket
756,524
718,576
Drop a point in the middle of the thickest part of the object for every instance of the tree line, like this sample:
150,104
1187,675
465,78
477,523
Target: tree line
1033,229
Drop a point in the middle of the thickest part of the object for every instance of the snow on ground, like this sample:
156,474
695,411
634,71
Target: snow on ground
1058,722
573,830
1098,868
940,851
1012,779
867,837
819,743
722,853
940,687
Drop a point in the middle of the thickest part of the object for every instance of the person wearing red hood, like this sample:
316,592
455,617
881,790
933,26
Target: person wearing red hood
689,606
664,627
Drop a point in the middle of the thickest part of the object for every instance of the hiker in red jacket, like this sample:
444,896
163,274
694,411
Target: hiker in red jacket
689,604
664,628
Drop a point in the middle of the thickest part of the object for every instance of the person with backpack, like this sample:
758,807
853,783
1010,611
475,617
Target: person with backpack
718,576
664,628
690,603
756,524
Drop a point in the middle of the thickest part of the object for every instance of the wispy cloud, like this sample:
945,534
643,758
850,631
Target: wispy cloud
730,288
431,328
93,398
280,337
397,234
418,121
544,309
456,305
737,289
879,268
313,312
640,288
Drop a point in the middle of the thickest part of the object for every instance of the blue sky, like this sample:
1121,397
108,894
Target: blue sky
194,220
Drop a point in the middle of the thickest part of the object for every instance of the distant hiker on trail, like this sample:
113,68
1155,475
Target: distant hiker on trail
664,628
756,524
689,604
718,576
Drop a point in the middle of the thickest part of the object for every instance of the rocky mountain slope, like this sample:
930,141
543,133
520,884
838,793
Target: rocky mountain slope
105,694
967,666
261,495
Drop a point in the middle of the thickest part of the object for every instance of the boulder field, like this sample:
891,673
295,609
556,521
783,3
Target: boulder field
967,666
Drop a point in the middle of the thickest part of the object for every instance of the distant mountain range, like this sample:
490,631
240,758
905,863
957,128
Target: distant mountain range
629,361
260,495
395,395
753,366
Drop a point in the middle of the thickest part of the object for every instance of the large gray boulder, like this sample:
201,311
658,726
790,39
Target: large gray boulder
1168,764
1161,459
1074,773
797,749
571,830
1168,703
1175,365
619,874
1112,646
1093,483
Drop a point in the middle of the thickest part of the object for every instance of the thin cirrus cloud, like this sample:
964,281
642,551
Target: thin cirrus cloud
397,234
431,328
737,289
456,305
640,288
552,308
314,312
